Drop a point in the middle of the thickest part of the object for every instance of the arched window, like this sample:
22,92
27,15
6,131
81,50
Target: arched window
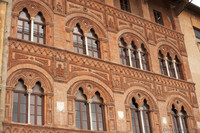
23,27
37,105
162,63
125,5
39,29
146,117
170,66
78,40
175,120
20,111
134,56
97,110
82,111
93,44
179,68
144,58
89,115
123,52
140,117
184,121
135,115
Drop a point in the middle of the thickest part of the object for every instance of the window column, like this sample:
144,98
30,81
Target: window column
174,65
140,59
89,101
142,118
29,107
181,123
86,44
166,63
32,27
129,55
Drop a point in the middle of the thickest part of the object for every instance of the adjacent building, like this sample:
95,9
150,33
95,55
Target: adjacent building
99,66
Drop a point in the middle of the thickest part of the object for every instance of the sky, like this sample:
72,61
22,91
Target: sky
196,2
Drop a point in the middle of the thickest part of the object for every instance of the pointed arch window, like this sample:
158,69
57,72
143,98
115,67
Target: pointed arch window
140,117
162,63
175,120
179,68
125,5
123,52
78,40
20,110
134,56
82,111
39,29
184,120
135,117
89,113
36,105
146,117
93,44
144,58
89,44
23,27
97,110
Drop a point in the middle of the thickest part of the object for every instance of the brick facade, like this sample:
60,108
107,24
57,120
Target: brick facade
62,72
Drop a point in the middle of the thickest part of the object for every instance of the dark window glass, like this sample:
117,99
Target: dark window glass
135,117
97,107
19,103
171,66
162,63
93,44
23,27
39,29
125,5
175,120
144,58
78,40
146,117
82,111
123,52
36,104
197,34
179,69
158,17
134,56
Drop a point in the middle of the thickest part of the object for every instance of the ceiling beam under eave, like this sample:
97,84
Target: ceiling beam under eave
180,7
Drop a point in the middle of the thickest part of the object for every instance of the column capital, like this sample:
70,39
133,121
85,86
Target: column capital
85,34
32,18
139,50
128,47
29,91
180,114
140,108
174,61
165,58
89,101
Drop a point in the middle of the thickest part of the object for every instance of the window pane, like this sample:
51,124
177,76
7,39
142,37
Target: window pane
15,107
15,98
39,120
94,125
39,110
77,105
26,37
32,111
15,117
39,100
94,117
22,118
100,126
77,115
22,98
85,125
26,27
32,119
84,116
32,99
83,106
41,40
78,124
19,35
22,108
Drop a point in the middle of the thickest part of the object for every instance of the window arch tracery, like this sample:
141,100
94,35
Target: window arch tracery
132,55
169,62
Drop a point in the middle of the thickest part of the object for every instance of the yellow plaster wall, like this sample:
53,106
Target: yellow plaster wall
2,25
188,20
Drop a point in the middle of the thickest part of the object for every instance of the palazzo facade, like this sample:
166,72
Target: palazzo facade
98,66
